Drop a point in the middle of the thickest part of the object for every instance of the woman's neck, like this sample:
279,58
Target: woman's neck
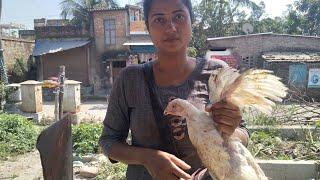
172,62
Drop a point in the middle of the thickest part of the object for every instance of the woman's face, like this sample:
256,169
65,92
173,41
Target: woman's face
169,25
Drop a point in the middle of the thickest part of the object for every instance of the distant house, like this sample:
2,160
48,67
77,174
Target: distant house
119,34
293,58
57,44
301,70
116,38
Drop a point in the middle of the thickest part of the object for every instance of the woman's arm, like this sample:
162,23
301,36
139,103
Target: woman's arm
161,165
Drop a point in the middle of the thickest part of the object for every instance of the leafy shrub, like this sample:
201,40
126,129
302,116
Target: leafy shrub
17,135
267,145
112,171
19,71
85,138
192,52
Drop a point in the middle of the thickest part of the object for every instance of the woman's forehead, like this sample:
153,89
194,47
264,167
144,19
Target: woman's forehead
167,6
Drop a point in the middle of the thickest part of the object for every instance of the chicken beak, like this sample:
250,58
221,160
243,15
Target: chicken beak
165,112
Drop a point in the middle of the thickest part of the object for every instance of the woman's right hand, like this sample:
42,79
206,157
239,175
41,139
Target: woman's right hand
162,165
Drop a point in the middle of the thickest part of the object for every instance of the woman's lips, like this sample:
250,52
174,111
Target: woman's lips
171,39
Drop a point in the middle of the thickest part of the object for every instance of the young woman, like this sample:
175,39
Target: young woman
161,148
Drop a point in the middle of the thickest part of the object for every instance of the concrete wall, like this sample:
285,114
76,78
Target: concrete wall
16,48
75,61
250,48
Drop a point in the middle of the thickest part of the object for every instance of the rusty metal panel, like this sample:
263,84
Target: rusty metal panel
55,147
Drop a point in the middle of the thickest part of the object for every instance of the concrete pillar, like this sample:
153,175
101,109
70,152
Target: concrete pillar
31,95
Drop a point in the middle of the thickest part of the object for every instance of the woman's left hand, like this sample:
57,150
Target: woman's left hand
226,115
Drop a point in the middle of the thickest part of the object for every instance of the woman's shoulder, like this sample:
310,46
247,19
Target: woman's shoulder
131,71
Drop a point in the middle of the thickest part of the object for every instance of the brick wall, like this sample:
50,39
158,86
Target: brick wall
122,33
248,49
137,26
75,61
16,48
122,29
60,32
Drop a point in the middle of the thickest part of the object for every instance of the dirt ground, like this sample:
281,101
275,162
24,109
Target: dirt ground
22,167
90,111
28,165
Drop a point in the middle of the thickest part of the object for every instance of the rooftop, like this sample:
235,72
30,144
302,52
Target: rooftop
292,56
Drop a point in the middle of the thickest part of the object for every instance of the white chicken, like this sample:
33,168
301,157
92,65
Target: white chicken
228,159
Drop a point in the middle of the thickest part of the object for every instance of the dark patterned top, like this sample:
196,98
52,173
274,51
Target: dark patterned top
130,108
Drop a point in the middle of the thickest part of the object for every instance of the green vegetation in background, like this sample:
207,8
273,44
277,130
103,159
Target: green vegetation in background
19,72
112,171
85,138
267,145
17,135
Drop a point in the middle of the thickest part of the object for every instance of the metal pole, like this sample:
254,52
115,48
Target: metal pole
62,75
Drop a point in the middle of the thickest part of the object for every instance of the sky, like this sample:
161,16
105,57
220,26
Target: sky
24,11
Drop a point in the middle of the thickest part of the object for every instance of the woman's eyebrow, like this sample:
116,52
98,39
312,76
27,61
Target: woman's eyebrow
179,10
162,14
157,14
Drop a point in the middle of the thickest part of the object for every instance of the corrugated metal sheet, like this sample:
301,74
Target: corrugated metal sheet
292,57
129,43
47,46
298,75
143,49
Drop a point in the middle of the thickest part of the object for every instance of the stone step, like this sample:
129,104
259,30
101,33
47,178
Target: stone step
290,169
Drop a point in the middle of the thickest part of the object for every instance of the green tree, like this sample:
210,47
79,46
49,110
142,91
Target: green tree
79,10
276,25
294,22
19,71
310,10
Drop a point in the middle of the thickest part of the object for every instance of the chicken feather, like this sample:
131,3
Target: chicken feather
227,158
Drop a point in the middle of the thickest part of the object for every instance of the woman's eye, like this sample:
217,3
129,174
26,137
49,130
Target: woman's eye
180,17
159,20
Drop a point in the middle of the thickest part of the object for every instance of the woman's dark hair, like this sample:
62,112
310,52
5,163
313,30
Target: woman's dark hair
147,5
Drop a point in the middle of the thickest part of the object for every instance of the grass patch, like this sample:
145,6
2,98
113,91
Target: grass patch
17,135
267,145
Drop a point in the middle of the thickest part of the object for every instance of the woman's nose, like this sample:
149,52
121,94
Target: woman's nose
171,27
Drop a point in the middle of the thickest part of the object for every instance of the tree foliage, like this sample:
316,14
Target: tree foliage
304,17
218,18
19,71
79,10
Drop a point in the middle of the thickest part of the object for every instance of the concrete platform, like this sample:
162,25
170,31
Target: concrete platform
290,170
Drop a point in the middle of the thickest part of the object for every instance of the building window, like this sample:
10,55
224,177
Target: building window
110,31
